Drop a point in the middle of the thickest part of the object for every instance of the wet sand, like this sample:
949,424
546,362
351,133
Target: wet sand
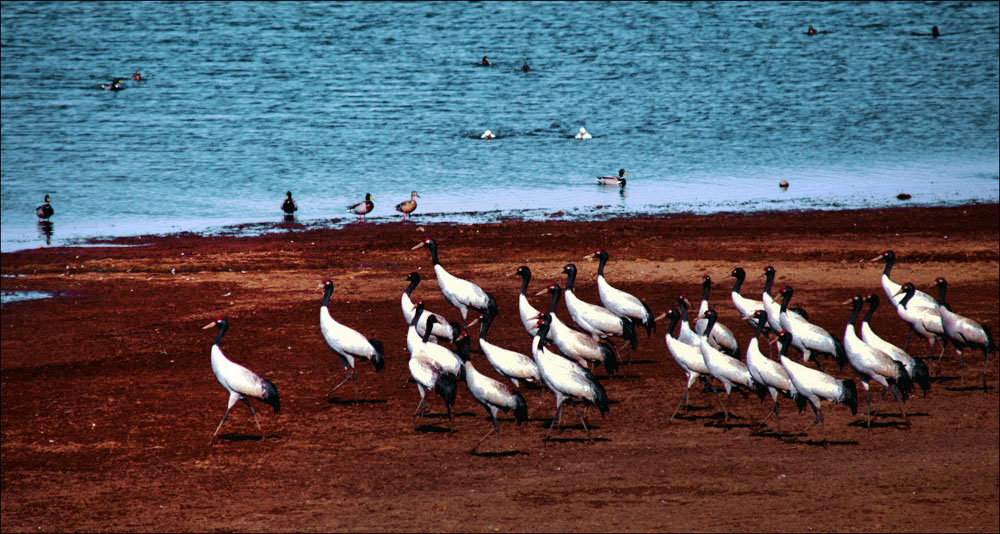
109,399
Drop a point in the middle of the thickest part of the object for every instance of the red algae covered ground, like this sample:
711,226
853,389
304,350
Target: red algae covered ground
109,401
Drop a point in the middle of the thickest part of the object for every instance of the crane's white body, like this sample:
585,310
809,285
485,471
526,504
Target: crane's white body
873,340
348,343
512,365
722,337
460,293
528,314
596,320
727,370
621,303
806,337
441,329
768,372
446,360
239,381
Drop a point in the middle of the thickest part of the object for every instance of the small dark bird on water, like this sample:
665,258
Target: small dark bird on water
45,210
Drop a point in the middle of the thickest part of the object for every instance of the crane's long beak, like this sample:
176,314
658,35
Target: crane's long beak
536,317
542,292
590,256
848,301
418,245
660,316
474,321
900,292
209,325
876,258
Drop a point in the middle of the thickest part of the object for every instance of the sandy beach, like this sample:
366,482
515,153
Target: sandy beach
109,400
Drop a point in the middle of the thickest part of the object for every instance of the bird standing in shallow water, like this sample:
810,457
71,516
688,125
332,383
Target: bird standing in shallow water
407,206
288,206
363,207
45,210
239,381
347,343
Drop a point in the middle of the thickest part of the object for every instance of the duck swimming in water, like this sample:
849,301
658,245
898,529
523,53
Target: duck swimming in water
45,210
613,180
115,85
582,134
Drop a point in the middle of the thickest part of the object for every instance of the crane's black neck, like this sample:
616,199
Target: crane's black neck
740,275
603,257
683,307
556,292
890,259
525,278
711,322
675,318
785,297
570,271
543,330
223,326
327,292
463,347
487,320
785,341
942,288
768,280
908,292
428,326
761,322
434,252
413,285
706,288
417,312
872,304
855,310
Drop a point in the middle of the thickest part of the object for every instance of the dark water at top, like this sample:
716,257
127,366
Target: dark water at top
708,106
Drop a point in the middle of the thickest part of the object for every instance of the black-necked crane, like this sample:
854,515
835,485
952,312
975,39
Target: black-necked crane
721,337
442,327
807,337
460,293
510,364
363,207
619,302
686,333
447,360
916,368
924,320
45,210
688,358
567,380
816,386
495,396
240,382
596,320
769,372
429,376
347,343
730,371
873,364
746,306
892,289
574,344
528,313
964,332
773,307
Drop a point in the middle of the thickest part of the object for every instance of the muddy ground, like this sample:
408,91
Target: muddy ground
109,401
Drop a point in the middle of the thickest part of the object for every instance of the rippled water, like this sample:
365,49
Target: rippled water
708,106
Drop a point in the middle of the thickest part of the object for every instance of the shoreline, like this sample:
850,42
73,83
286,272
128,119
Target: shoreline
109,400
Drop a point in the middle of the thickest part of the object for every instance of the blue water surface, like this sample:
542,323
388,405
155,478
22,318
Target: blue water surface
707,105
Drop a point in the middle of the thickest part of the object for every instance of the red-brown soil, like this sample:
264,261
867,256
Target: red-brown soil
109,400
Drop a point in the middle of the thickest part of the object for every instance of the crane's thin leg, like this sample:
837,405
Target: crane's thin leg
448,406
902,409
682,401
817,419
777,416
774,411
482,439
233,397
354,378
878,409
961,367
254,413
555,418
868,399
580,415
346,378
422,404
986,360
729,401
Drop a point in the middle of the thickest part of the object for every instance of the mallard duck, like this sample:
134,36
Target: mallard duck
115,85
45,210
613,180
363,207
407,206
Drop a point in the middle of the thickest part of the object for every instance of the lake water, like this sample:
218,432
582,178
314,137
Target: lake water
707,105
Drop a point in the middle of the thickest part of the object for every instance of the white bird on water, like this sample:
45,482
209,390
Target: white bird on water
487,135
240,382
460,293
582,134
347,343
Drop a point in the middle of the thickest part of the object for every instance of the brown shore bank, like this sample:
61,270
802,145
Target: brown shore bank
109,401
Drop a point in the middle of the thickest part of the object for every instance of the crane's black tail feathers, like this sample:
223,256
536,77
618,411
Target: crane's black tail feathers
270,394
849,395
840,355
446,387
600,397
491,305
921,376
647,319
800,401
760,389
991,345
520,408
610,357
628,332
904,383
378,359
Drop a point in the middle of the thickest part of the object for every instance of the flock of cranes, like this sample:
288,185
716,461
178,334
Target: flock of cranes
562,356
